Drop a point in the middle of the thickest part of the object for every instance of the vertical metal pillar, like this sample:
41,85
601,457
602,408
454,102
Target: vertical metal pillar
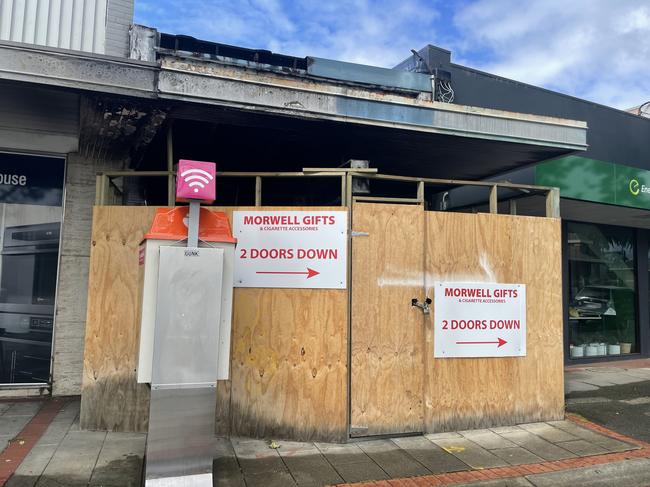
193,224
171,181
181,443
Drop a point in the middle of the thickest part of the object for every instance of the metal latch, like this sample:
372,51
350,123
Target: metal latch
423,306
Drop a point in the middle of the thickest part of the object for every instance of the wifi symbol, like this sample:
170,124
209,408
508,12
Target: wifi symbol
196,178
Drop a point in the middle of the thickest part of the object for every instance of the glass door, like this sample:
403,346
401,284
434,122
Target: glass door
31,198
602,291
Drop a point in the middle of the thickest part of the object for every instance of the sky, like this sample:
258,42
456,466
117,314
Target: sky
593,49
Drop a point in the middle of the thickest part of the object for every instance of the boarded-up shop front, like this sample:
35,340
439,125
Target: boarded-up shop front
328,364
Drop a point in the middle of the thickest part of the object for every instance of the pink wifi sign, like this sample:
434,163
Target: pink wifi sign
195,180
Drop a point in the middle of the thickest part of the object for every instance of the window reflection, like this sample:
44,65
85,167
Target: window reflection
30,224
602,290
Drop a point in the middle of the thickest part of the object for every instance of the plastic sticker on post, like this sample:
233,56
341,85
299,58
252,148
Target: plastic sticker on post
195,180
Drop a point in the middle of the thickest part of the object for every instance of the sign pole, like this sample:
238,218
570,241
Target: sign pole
193,224
180,441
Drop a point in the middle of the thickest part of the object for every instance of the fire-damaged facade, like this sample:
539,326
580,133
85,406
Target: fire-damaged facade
80,128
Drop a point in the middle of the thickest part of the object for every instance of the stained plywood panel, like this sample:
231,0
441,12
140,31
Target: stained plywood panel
289,361
110,398
289,371
289,348
387,333
475,393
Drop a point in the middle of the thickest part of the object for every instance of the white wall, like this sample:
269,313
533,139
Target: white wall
35,119
99,26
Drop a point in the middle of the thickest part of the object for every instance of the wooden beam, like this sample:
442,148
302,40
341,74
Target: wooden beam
553,203
421,191
371,170
258,191
383,199
494,201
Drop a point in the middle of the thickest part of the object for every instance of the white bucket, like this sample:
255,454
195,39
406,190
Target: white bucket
577,351
614,349
591,350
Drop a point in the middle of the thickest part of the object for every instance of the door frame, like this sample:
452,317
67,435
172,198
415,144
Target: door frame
350,202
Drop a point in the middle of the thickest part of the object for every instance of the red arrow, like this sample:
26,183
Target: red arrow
501,342
310,272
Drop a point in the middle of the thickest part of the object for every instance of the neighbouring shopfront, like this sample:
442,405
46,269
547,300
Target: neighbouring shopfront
31,203
602,290
605,231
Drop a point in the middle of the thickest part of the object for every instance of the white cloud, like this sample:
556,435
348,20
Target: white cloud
376,32
593,49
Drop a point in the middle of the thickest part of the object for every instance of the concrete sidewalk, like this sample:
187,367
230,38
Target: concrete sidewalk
64,455
592,377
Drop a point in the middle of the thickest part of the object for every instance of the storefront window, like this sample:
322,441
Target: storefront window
602,290
31,198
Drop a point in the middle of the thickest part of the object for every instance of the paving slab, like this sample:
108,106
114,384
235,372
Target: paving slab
73,462
57,430
643,373
582,448
361,472
538,446
392,460
27,408
471,453
577,386
548,432
4,441
341,454
255,456
487,439
307,465
430,455
119,463
630,473
311,470
297,448
442,436
517,456
225,469
505,429
620,378
351,462
270,479
587,400
598,380
10,426
31,468
637,401
610,444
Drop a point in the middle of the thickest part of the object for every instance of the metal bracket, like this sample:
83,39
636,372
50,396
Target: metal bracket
359,234
423,306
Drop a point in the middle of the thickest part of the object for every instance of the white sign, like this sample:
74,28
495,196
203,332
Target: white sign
291,249
474,319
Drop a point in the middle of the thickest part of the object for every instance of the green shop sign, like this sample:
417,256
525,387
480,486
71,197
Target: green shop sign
599,181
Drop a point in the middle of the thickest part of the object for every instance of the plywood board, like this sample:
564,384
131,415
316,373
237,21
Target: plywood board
289,371
289,361
110,398
387,333
476,393
289,347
